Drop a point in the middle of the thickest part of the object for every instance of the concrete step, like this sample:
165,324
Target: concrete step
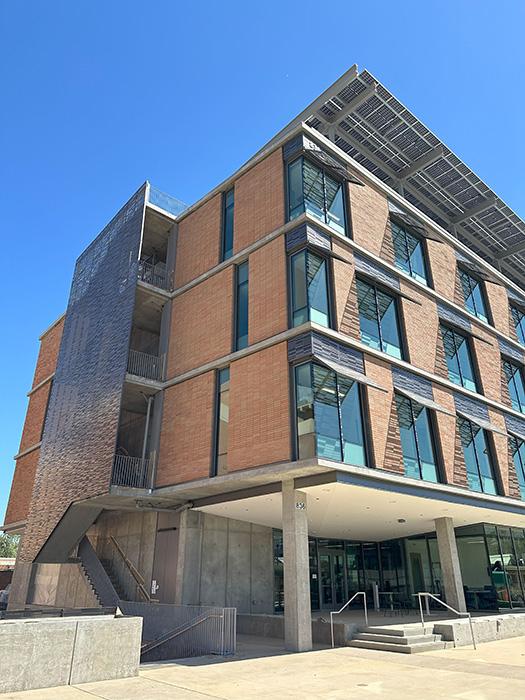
398,648
397,639
405,631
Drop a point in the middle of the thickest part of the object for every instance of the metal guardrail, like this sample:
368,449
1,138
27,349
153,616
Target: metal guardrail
338,612
143,365
180,631
427,595
156,275
166,201
130,471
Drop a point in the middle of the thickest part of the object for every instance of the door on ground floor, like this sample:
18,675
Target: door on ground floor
333,589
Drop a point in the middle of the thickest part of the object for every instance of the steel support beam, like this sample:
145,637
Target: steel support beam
353,104
422,162
473,211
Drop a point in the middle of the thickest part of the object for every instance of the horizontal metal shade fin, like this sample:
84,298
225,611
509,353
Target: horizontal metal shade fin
485,424
424,401
328,252
400,216
478,270
347,372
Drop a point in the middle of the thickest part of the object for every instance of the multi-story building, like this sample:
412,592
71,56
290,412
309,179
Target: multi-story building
309,382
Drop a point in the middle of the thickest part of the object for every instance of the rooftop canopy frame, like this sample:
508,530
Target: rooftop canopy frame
364,119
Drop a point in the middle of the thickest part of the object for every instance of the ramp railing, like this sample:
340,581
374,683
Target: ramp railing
427,595
338,612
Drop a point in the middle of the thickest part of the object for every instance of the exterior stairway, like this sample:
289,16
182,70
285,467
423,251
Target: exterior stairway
410,639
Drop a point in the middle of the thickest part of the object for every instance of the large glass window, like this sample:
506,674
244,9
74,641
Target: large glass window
480,475
408,251
518,317
223,418
459,361
378,319
311,189
309,289
517,449
227,224
416,439
241,307
514,376
329,415
473,295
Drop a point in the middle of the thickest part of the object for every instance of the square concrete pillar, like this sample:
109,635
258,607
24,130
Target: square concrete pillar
297,612
450,568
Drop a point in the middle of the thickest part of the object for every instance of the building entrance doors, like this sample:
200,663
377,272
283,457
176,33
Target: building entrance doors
332,578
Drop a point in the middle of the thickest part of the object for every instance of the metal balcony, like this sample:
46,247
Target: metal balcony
133,472
156,275
143,365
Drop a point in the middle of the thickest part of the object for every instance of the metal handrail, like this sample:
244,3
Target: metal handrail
143,364
168,636
338,612
139,579
457,612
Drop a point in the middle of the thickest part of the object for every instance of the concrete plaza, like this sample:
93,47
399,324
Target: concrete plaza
262,670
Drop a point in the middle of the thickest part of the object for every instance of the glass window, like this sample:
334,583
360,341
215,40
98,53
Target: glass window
329,415
514,378
227,224
416,440
473,295
459,361
519,323
311,189
241,326
223,418
309,289
408,252
478,462
378,319
517,449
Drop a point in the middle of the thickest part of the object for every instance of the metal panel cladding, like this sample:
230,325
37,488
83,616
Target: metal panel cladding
80,432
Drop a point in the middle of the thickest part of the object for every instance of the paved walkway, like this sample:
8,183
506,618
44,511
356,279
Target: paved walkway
261,669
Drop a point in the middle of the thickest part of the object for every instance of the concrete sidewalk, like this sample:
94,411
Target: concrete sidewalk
262,669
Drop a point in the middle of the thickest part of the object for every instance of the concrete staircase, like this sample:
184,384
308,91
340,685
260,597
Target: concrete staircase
409,639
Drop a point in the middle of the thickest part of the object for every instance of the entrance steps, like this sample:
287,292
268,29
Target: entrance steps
409,639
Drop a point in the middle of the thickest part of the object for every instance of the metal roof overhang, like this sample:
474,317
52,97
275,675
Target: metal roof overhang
364,119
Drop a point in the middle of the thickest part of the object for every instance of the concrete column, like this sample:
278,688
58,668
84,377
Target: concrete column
297,612
450,569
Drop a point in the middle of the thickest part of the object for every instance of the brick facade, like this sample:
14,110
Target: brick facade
259,201
186,439
259,409
267,289
369,210
199,241
201,323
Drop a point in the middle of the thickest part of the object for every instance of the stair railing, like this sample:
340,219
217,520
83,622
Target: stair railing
338,612
139,579
427,595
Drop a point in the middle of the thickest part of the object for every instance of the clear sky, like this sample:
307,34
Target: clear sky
98,96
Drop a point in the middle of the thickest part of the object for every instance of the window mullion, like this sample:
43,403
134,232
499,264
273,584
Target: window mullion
477,458
339,417
418,452
379,330
460,370
409,262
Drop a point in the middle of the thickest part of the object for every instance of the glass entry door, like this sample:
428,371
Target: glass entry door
332,578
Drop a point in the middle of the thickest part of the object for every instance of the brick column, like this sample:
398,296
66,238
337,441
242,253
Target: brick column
297,612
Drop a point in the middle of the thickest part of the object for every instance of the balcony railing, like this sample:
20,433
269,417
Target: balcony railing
166,201
143,365
131,471
155,275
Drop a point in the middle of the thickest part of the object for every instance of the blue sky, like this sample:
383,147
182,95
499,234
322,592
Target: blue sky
99,96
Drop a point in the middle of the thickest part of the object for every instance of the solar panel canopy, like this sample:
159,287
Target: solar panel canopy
363,118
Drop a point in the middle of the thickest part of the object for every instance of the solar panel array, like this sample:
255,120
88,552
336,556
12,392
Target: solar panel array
366,121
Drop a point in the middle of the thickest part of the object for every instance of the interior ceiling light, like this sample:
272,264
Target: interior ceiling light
401,520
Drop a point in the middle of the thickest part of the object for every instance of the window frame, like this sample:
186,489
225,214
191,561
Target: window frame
236,286
329,284
401,327
520,370
522,463
480,284
222,251
491,456
472,356
433,440
520,324
325,169
424,252
362,394
214,462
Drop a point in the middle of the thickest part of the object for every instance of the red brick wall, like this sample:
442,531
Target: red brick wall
187,425
259,201
369,210
34,421
47,357
267,291
201,323
499,306
22,487
198,241
421,327
380,403
259,431
443,267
